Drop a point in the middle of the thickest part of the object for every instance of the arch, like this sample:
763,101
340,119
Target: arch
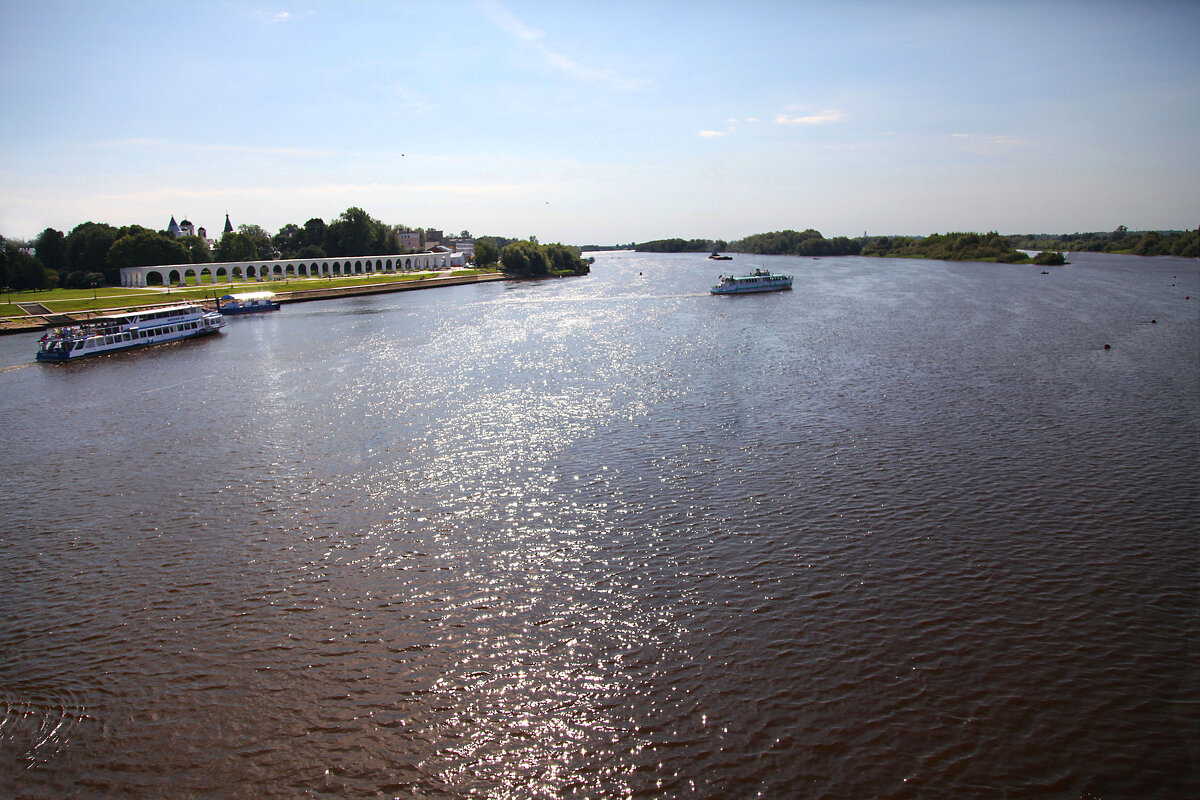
388,267
289,271
313,268
173,277
407,264
205,271
358,268
277,271
222,273
154,278
337,268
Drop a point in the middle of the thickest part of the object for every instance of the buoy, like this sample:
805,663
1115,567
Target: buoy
1153,322
1107,347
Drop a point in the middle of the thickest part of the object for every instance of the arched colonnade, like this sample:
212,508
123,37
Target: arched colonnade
282,269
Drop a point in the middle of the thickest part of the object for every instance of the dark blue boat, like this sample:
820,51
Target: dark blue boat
247,303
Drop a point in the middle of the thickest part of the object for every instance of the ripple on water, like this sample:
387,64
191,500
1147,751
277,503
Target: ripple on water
901,533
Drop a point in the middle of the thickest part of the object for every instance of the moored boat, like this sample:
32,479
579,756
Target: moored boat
115,332
247,303
758,281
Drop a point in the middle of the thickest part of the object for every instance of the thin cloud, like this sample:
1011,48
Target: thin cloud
821,118
163,144
300,152
281,17
713,134
126,144
508,22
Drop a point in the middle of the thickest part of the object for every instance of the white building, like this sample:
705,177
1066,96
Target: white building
281,269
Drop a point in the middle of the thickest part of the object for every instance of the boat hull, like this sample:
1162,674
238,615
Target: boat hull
776,287
758,281
247,303
117,348
229,311
133,331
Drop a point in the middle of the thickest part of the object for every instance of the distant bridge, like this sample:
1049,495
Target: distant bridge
281,269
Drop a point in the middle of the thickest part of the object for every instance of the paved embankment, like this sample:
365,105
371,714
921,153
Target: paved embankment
38,321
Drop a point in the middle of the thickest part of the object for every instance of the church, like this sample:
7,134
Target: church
186,228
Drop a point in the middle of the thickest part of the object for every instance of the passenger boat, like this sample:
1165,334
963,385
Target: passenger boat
114,332
758,281
247,303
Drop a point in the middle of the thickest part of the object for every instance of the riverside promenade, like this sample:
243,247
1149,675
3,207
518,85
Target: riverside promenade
38,318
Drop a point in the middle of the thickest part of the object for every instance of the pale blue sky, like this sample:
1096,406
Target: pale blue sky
603,122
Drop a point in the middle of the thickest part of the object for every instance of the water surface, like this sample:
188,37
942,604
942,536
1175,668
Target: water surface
908,530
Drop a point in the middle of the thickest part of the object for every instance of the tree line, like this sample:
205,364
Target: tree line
946,247
93,254
532,260
959,246
805,243
681,245
1138,243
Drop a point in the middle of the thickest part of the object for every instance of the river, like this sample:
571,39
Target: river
910,530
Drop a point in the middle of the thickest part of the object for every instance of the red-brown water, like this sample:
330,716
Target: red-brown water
908,530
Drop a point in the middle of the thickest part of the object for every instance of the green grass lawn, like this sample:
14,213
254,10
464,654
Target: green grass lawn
63,301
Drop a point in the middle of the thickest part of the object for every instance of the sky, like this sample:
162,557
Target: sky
603,122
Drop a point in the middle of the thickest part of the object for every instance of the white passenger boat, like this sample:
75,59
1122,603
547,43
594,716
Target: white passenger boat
114,332
758,281
247,303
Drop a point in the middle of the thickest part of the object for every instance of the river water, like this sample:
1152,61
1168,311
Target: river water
906,531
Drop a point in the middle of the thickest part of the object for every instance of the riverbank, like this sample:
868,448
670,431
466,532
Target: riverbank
36,321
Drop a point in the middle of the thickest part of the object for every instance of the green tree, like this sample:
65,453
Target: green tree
83,280
310,251
264,250
565,260
526,259
236,247
1049,258
1149,245
50,247
87,249
197,249
289,240
486,253
356,233
144,248
1186,244
23,272
314,233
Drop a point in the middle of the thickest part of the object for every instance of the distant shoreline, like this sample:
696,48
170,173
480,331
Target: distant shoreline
41,322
